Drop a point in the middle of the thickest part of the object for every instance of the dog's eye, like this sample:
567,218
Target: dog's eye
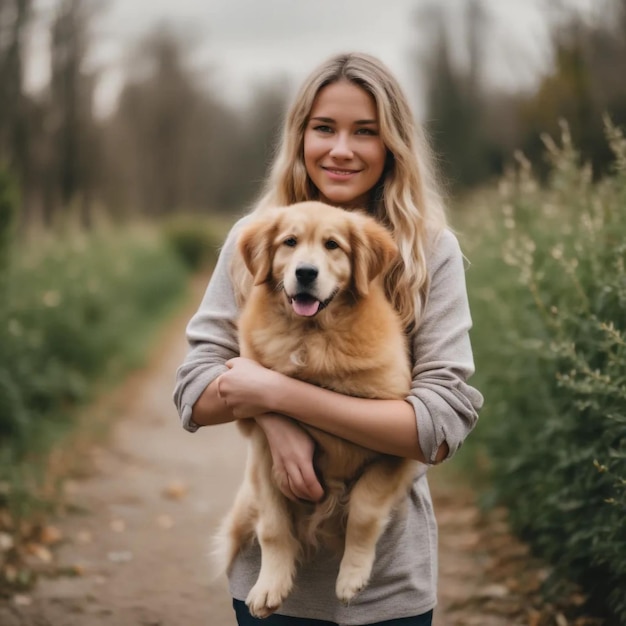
290,241
331,244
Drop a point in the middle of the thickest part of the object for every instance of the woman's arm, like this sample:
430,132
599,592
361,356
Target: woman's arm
386,426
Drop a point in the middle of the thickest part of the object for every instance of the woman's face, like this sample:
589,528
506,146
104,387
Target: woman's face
343,153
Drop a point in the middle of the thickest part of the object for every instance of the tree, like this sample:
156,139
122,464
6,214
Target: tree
585,83
454,99
15,16
160,119
71,107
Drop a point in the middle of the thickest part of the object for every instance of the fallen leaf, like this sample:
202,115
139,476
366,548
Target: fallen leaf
176,490
39,551
50,535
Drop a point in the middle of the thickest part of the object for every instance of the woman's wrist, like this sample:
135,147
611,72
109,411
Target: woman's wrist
275,389
267,421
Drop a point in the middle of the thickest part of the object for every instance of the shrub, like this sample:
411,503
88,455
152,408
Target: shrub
196,240
548,289
75,310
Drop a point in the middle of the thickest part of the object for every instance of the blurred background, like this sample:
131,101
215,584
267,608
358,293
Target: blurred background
154,107
132,134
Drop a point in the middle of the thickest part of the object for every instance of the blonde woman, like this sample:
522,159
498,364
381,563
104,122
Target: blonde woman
350,140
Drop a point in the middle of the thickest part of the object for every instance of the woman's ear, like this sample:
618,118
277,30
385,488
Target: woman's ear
256,247
373,252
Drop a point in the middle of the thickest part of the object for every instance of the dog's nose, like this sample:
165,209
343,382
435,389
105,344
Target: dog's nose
306,274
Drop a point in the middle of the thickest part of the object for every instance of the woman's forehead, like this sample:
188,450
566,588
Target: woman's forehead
346,99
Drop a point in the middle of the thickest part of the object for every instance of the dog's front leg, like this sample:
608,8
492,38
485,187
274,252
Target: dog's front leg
279,548
372,500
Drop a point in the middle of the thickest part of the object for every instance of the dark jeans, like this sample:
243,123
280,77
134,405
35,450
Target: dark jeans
245,619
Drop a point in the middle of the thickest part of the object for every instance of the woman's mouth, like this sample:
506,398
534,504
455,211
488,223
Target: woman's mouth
338,173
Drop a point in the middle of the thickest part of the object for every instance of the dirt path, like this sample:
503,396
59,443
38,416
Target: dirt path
138,542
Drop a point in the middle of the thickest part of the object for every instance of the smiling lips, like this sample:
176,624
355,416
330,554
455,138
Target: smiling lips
339,174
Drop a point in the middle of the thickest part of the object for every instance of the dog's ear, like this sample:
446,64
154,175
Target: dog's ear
256,247
374,252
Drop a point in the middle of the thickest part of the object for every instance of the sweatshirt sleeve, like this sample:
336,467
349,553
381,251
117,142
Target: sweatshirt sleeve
446,407
211,334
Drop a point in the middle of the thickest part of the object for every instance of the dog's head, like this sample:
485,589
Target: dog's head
314,252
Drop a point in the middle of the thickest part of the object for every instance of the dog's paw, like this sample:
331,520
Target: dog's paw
350,581
262,601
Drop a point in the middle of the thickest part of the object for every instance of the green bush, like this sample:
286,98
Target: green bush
196,240
548,291
76,310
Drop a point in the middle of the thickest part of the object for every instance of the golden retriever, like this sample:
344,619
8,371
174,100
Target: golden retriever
318,312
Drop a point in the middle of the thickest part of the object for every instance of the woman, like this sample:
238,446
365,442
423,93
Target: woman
349,140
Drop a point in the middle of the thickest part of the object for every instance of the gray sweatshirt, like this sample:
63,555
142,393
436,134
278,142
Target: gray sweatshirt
404,578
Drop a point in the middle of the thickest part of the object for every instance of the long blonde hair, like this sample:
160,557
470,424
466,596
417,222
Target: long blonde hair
406,200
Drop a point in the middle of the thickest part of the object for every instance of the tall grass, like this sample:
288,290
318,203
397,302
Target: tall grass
548,292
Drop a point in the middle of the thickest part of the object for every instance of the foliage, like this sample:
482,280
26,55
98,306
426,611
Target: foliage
548,287
196,240
75,310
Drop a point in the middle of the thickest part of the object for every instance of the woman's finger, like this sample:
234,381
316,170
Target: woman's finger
283,483
311,485
300,487
295,483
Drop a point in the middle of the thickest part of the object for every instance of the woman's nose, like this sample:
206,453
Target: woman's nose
341,147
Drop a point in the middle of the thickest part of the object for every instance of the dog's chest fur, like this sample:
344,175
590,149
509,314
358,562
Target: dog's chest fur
350,352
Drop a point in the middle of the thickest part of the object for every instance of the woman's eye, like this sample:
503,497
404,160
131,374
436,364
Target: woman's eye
290,241
367,131
323,129
331,244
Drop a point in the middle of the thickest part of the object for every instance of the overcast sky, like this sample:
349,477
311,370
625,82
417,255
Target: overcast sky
238,42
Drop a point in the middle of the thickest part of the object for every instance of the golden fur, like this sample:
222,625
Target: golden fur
355,345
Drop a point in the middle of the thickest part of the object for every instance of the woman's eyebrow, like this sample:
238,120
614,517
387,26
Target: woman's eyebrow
330,120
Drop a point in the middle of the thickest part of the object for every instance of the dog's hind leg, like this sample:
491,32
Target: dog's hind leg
279,552
372,501
235,530
237,527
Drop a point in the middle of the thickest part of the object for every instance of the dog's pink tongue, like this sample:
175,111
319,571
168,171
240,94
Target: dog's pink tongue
306,308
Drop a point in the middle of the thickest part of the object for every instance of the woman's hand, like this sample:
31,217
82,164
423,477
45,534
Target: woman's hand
246,387
292,451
